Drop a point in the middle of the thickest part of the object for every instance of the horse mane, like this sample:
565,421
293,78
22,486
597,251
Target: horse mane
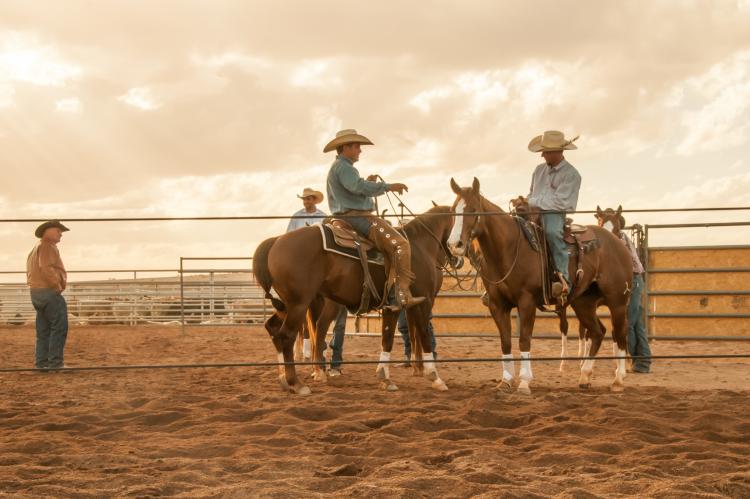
427,216
483,201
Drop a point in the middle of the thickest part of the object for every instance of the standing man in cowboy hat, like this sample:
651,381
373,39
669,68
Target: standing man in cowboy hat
554,189
47,279
350,194
309,214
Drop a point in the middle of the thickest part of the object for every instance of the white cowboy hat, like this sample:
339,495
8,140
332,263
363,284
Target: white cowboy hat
551,140
311,192
348,136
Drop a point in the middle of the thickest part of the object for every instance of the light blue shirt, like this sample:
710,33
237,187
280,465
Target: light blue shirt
347,190
313,218
555,188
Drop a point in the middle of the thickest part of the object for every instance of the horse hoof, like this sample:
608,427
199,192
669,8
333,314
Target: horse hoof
334,372
524,390
389,386
303,390
439,385
505,387
584,386
617,388
319,376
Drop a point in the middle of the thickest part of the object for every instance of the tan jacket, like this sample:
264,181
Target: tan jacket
44,268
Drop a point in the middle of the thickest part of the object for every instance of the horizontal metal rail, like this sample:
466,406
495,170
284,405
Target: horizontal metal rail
699,248
698,293
287,217
370,362
699,270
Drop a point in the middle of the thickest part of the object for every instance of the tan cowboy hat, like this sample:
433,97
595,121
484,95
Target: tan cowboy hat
551,140
348,136
39,232
310,192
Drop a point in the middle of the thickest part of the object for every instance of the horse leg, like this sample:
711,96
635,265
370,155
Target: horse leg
563,335
527,314
418,318
584,342
585,308
619,344
284,342
500,311
317,327
383,372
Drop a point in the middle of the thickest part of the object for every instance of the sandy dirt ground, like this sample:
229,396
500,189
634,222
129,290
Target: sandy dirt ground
681,431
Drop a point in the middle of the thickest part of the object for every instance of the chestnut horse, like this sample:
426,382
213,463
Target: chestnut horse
305,276
512,276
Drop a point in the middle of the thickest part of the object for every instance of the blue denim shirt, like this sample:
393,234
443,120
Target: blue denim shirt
555,188
348,191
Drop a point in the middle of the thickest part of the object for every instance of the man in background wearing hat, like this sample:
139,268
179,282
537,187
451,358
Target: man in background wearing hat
311,215
46,276
351,195
554,188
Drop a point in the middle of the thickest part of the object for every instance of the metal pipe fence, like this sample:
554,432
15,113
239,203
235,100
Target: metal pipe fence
226,295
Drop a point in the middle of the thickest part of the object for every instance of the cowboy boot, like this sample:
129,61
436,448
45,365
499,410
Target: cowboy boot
398,252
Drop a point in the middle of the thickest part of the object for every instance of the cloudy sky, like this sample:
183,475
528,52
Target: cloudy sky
178,108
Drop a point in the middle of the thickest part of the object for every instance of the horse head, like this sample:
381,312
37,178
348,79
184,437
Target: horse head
467,224
610,219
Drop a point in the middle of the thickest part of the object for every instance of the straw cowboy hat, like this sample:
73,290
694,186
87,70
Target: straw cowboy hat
310,192
39,232
348,136
551,140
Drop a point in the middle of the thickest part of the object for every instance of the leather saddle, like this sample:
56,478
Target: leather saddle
575,234
346,237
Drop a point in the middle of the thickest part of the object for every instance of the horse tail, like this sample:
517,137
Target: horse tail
263,274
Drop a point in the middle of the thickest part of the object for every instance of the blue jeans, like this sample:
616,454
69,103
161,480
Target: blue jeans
637,337
554,224
361,225
337,343
51,327
403,328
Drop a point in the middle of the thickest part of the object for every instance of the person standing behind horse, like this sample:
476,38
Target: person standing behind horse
637,337
47,279
310,214
554,189
351,195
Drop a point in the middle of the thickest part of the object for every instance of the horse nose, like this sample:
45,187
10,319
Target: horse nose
457,248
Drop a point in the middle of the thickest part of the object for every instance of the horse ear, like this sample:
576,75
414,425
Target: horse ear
598,211
434,204
619,211
475,185
455,186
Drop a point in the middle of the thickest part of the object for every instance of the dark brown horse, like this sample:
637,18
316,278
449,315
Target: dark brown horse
305,276
512,276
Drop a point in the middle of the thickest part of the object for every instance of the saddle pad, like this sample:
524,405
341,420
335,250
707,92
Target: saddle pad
528,232
329,244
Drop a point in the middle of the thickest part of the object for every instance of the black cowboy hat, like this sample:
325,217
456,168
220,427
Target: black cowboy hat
39,232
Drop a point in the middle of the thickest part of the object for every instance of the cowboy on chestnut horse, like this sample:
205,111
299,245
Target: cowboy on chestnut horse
554,188
351,195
